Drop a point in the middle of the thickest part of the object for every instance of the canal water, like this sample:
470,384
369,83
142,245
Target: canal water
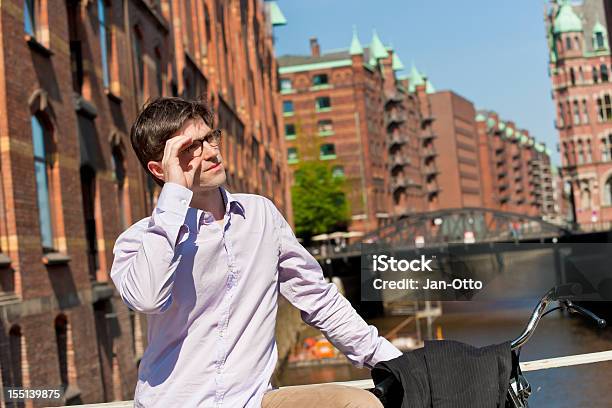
480,324
558,335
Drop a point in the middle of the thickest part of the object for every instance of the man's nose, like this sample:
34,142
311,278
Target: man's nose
209,152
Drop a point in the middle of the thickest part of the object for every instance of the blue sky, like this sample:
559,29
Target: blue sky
493,53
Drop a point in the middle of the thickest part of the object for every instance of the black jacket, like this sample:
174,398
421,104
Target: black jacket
447,374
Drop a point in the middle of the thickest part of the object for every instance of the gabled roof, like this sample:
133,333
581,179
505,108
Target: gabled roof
566,20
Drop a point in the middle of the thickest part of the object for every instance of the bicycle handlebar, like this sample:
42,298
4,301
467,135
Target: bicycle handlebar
539,311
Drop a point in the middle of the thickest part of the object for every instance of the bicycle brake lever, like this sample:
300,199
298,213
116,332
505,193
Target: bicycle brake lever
585,312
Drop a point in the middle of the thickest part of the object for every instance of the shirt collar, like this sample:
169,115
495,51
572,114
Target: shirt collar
231,203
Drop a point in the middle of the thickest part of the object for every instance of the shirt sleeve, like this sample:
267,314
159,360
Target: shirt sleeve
143,267
322,306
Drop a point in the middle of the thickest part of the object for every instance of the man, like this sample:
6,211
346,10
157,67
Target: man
207,268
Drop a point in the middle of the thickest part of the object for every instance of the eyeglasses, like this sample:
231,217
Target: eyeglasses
213,138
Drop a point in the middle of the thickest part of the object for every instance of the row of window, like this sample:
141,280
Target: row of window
34,26
598,41
327,151
586,198
46,188
581,152
325,127
316,81
577,113
322,104
601,75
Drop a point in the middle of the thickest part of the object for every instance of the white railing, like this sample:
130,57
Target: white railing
535,365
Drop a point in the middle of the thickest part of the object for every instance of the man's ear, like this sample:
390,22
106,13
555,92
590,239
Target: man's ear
156,169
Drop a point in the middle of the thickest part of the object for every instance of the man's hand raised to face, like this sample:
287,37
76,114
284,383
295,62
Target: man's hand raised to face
172,162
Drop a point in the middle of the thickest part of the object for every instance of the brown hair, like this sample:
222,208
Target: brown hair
158,120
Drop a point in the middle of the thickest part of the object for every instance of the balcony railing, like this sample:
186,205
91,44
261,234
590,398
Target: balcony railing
400,160
397,139
432,188
429,152
398,182
427,135
430,171
394,117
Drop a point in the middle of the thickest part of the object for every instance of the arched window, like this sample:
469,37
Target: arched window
61,338
42,141
607,107
600,112
29,17
572,76
561,115
580,152
585,198
603,70
88,191
105,40
580,75
15,349
119,176
589,152
607,198
577,42
576,113
159,71
595,78
568,43
598,40
139,63
585,112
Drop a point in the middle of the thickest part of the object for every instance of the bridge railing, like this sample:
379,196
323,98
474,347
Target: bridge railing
547,363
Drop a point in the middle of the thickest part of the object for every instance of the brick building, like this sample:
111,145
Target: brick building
579,51
347,107
456,151
73,75
516,171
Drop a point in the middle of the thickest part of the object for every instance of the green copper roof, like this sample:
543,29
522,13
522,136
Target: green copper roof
416,78
509,132
276,15
372,62
524,139
356,48
566,20
539,147
548,152
429,88
480,117
531,142
598,28
316,65
397,63
490,122
501,125
377,49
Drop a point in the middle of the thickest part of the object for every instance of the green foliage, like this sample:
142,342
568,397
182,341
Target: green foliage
319,202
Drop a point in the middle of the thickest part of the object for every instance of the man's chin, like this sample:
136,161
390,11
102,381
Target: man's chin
212,184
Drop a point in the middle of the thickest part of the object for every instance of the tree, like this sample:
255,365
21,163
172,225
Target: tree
319,202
